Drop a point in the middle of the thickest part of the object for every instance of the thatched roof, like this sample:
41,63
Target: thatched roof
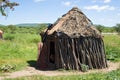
75,23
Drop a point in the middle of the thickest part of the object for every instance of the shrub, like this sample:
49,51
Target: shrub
9,37
117,28
7,68
84,67
100,27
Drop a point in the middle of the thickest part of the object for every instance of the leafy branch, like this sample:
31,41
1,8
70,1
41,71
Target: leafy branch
6,4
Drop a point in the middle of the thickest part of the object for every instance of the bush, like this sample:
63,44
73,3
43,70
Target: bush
117,28
100,27
7,68
9,37
84,67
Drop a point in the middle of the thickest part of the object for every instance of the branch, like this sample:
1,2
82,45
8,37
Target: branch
6,4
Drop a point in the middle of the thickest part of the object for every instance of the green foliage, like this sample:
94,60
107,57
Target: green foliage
6,4
12,28
100,27
7,68
84,67
9,37
112,53
117,28
105,29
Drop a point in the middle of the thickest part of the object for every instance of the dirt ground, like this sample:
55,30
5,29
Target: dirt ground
29,71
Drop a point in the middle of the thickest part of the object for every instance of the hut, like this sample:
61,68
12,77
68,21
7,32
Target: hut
71,42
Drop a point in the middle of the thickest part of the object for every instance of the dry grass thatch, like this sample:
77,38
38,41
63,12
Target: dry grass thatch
75,23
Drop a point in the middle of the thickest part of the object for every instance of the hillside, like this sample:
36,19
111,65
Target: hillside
31,24
28,24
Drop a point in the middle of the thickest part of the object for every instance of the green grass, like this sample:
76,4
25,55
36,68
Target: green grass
18,51
112,47
114,75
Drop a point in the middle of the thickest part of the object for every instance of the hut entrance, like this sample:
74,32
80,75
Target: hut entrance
52,52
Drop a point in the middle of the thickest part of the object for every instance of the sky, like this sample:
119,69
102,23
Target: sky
103,12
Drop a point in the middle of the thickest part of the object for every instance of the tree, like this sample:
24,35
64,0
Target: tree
6,4
117,28
100,27
12,28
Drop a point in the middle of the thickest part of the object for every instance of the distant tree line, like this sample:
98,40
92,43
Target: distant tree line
102,28
41,27
13,29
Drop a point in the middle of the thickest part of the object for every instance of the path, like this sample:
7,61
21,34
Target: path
29,71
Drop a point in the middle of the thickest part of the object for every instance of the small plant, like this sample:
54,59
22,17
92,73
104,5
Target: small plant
112,54
84,67
7,68
110,57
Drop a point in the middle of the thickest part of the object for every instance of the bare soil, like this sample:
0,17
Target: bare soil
29,71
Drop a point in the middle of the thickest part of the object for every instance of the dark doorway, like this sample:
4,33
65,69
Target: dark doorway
52,52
